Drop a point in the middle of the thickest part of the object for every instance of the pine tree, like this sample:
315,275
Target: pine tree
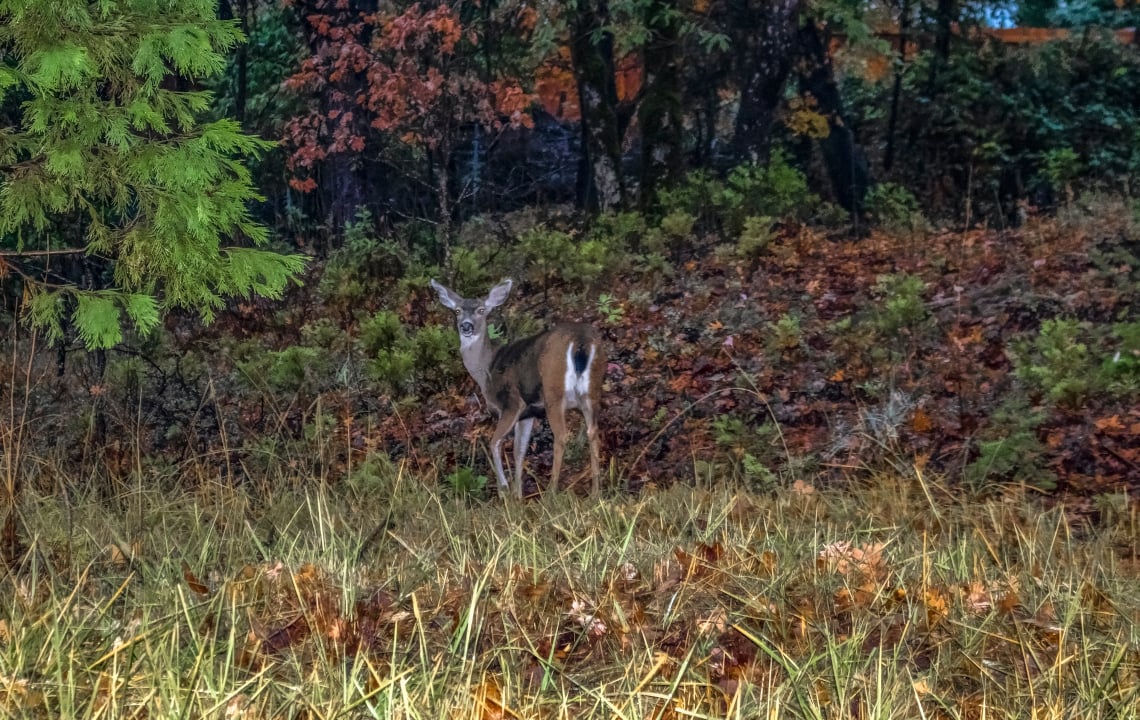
106,154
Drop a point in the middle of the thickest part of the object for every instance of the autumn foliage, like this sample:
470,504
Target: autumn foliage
411,75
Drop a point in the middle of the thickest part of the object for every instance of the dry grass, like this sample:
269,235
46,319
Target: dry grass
383,598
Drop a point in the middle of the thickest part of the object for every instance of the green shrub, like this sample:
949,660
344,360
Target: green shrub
748,451
1060,167
296,369
776,190
1057,364
380,331
621,229
671,235
894,208
437,360
786,334
402,361
557,255
755,236
1121,370
1009,450
363,267
696,196
471,267
902,306
609,309
465,482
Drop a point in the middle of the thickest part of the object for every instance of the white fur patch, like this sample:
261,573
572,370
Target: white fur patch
577,386
466,341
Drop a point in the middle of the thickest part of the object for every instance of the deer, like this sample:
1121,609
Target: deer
543,375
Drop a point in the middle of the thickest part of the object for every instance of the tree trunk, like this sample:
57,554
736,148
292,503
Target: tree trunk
944,16
344,175
660,114
845,160
443,197
238,10
896,90
241,92
601,185
763,35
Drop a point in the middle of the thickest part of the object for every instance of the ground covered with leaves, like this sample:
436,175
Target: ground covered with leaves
894,598
983,355
740,348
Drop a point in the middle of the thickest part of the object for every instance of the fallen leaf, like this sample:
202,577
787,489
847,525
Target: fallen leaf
920,421
192,581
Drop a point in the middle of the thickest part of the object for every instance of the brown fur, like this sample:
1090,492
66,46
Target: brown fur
526,379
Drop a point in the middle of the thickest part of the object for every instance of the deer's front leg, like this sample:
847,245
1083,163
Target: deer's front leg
507,420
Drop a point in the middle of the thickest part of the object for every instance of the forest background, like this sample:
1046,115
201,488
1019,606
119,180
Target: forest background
833,245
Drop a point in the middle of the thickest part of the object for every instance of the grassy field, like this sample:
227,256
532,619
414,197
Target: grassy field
384,598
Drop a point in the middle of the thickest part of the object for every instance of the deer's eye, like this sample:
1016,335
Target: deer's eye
458,312
481,311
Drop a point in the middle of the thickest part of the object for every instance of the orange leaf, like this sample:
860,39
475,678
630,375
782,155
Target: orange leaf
1008,602
1110,425
193,582
681,382
937,606
489,700
920,421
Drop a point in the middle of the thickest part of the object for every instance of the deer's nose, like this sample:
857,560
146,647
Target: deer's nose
467,327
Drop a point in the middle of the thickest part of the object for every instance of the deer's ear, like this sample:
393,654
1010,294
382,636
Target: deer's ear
498,294
447,297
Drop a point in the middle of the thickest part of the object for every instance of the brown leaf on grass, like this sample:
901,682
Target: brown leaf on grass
859,597
286,637
799,487
963,337
583,614
714,622
681,383
847,559
14,548
489,701
665,711
976,598
192,581
1095,599
937,604
241,707
116,554
700,563
246,586
18,696
822,693
768,563
1008,602
529,589
248,656
534,673
104,687
548,651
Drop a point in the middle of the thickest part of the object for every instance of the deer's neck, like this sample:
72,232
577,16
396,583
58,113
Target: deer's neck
477,357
